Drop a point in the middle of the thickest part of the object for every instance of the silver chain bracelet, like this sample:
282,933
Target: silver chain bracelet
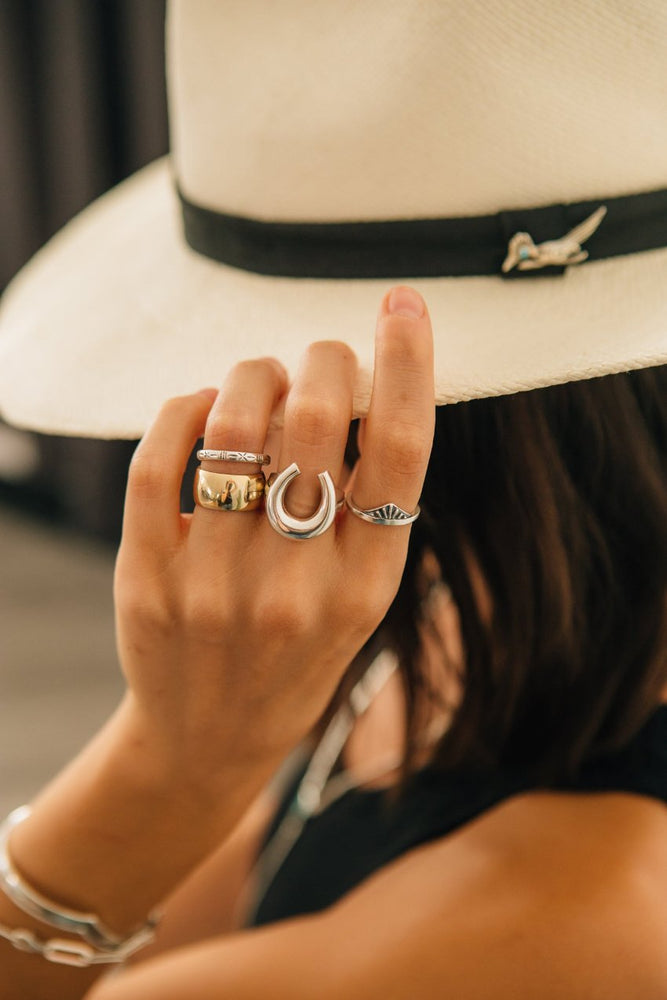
99,945
63,951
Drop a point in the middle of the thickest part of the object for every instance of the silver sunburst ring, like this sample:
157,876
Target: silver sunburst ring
387,514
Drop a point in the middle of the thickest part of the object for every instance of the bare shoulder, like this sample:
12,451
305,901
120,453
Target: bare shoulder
545,895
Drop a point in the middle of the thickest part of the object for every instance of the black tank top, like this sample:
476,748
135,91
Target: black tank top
362,830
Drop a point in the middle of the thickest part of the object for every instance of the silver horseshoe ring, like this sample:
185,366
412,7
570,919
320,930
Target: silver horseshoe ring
298,528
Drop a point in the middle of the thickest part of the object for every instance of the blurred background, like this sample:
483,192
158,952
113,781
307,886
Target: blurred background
82,106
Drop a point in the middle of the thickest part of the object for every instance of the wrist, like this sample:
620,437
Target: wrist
122,825
199,769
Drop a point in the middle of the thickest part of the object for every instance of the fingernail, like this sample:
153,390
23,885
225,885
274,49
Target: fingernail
404,301
209,393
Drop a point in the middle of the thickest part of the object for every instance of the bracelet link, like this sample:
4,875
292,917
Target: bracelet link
64,952
21,939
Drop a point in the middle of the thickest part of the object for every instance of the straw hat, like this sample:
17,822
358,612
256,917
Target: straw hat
324,151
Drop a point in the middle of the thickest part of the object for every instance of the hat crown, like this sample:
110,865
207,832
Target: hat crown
366,110
528,117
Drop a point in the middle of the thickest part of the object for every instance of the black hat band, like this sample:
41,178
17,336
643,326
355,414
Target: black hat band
426,248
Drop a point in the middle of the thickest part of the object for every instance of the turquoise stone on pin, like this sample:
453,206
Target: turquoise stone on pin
524,253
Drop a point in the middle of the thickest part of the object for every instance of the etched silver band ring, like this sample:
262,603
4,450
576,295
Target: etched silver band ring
210,455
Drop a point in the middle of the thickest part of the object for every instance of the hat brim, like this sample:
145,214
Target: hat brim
116,314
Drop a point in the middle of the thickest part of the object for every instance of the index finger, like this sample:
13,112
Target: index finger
401,418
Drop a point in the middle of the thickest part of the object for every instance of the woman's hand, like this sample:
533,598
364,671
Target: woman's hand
232,637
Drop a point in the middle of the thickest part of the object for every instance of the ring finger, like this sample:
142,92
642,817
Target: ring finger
239,419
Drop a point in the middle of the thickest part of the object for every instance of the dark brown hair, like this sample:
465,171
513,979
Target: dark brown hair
559,495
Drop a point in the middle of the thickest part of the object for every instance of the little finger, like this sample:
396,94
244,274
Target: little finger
152,517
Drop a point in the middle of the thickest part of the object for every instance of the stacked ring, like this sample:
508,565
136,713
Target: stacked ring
223,491
251,457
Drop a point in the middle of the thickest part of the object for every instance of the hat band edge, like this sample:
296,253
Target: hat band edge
464,246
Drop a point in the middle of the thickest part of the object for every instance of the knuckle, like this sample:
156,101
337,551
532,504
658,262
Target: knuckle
281,617
314,421
364,612
246,365
254,367
248,368
405,450
146,475
231,429
330,350
203,612
143,607
359,620
203,619
173,405
177,408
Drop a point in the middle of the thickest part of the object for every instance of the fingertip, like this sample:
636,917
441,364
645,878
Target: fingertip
403,300
404,336
210,393
280,370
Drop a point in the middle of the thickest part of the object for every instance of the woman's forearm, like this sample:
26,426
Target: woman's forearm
113,835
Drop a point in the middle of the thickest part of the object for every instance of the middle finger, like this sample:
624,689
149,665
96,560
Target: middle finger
318,412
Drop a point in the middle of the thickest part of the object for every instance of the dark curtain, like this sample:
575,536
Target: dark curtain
82,105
